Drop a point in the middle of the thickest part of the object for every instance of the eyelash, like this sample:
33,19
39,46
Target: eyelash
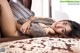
63,31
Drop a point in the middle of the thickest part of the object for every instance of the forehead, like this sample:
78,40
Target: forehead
65,21
62,21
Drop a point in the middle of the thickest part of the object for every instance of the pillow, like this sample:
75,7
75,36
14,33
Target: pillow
19,10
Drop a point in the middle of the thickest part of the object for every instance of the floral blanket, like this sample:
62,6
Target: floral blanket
42,45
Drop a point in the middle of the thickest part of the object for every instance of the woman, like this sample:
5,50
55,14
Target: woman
63,28
9,25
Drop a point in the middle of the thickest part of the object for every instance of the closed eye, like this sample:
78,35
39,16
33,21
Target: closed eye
63,31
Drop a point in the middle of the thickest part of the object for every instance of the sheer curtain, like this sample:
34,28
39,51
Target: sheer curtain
57,12
40,7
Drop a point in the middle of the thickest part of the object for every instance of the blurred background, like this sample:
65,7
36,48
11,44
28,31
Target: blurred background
57,9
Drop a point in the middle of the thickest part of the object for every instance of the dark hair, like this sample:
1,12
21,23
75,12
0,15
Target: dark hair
75,32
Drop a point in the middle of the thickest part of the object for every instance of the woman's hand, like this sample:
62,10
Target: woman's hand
25,27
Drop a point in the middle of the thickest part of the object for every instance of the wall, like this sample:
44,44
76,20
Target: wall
40,7
72,9
57,12
66,10
60,10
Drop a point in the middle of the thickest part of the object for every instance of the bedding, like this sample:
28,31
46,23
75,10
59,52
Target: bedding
19,10
42,45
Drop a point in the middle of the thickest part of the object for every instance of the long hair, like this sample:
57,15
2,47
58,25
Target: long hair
75,32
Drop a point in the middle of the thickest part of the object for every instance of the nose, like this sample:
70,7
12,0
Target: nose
59,26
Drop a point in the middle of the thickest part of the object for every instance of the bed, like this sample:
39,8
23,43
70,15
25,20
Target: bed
41,45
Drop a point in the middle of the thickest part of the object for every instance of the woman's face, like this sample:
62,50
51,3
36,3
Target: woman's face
61,27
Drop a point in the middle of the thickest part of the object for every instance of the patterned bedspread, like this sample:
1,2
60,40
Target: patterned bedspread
42,45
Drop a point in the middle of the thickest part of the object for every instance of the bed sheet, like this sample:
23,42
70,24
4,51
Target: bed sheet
42,45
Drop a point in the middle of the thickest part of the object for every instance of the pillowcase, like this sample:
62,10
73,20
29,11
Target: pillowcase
19,10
